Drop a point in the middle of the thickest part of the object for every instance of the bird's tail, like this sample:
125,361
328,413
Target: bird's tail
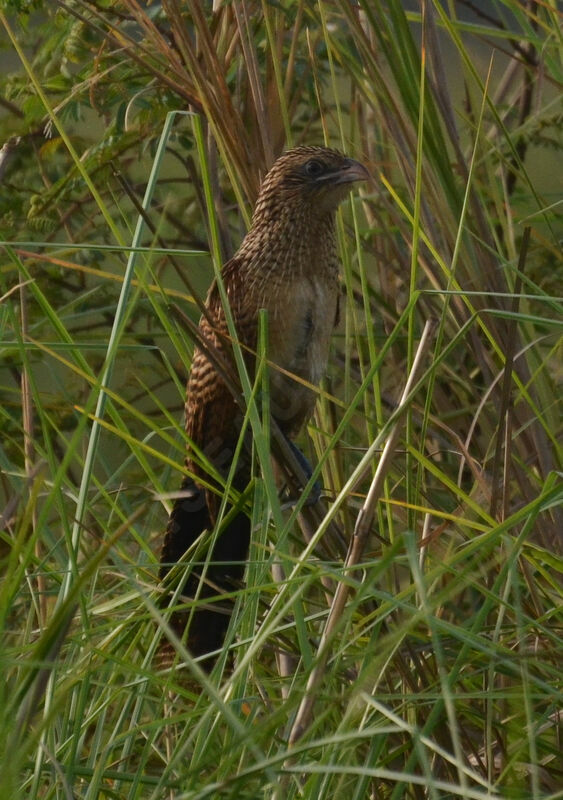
209,621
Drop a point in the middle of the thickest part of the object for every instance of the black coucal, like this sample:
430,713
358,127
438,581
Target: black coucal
287,264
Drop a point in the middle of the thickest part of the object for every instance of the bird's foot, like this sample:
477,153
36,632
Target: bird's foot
315,493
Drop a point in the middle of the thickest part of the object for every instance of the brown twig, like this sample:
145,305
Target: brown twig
150,225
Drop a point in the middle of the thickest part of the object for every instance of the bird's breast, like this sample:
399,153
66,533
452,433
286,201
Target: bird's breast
300,323
300,327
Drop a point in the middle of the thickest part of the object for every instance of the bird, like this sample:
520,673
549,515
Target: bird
288,265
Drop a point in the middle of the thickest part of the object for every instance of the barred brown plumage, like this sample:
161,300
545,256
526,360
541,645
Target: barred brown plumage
288,265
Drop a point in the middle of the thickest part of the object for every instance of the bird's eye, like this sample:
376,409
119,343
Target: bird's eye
314,168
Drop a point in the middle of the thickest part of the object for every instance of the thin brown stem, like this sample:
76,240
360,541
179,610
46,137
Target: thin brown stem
357,545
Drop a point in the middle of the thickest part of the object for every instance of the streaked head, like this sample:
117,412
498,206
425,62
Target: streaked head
313,179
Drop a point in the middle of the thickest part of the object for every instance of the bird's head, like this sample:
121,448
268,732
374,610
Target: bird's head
311,181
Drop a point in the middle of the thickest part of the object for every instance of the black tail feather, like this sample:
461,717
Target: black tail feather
189,518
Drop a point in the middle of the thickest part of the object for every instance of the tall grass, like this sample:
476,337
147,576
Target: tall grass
427,661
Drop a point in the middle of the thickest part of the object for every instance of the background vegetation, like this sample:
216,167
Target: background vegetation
441,677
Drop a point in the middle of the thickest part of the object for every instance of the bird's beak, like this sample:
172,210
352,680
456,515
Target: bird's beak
349,172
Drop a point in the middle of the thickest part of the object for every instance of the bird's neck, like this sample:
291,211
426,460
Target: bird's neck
298,244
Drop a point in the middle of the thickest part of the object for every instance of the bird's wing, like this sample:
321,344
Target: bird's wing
213,416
